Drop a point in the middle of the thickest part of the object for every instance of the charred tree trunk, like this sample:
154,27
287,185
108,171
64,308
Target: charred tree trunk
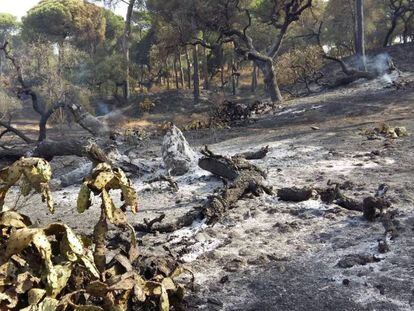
180,68
398,10
1,63
44,117
233,78
242,178
270,80
87,121
360,35
177,83
167,74
50,149
10,129
196,76
187,58
253,86
390,32
61,58
125,47
206,85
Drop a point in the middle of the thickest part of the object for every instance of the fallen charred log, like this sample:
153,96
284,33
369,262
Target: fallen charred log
295,194
254,155
50,149
156,225
331,195
241,178
334,195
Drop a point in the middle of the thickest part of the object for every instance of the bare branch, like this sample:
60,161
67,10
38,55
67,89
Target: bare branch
11,129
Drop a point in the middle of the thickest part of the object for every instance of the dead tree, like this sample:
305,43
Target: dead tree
26,91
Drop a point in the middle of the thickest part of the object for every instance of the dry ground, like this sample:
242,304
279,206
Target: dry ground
272,255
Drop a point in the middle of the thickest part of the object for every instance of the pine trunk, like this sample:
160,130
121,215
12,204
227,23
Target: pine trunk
360,35
196,76
187,58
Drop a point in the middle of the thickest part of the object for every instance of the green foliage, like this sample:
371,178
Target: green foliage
57,20
339,24
114,25
51,19
8,23
141,49
89,40
89,25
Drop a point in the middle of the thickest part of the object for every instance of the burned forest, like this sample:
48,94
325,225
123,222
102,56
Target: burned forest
206,155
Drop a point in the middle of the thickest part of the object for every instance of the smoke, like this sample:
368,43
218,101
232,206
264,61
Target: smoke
387,78
381,63
102,109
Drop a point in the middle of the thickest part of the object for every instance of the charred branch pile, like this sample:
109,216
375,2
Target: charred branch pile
230,113
233,113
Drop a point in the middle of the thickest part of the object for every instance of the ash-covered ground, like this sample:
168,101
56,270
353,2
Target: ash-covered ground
266,254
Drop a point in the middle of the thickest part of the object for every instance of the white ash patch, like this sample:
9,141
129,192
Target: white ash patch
294,111
187,232
346,166
200,248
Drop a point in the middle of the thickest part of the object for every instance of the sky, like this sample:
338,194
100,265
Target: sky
20,7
